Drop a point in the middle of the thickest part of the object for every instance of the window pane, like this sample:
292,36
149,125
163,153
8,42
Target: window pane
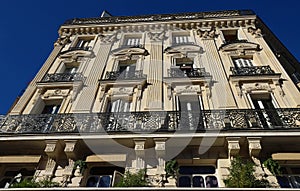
283,182
104,181
211,182
184,181
198,181
92,181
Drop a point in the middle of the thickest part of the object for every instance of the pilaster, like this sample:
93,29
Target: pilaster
88,93
214,65
160,149
30,90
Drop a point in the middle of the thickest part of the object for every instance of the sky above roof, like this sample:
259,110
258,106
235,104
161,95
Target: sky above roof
29,28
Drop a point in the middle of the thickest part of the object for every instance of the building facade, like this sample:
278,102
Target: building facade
133,92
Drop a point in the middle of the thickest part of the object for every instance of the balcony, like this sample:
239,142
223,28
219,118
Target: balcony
133,122
193,73
138,74
63,77
250,71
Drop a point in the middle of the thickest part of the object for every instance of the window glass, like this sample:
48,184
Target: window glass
184,181
230,35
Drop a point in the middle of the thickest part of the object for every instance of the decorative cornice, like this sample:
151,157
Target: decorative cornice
158,17
219,19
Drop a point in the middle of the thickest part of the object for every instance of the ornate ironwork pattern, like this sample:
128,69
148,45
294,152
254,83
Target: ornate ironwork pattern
253,70
151,121
162,17
193,73
63,77
138,74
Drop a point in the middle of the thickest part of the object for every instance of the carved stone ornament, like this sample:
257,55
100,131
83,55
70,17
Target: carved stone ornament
190,89
55,93
156,36
108,38
183,50
127,91
62,40
240,47
249,88
256,32
233,146
254,146
129,52
207,34
74,55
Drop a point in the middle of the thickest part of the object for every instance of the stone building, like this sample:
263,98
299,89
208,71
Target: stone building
133,92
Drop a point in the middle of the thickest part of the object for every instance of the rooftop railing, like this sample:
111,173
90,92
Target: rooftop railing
169,121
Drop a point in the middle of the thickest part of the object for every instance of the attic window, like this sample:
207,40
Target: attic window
230,35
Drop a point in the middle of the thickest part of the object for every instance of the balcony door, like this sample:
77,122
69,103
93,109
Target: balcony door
185,65
266,110
189,108
118,115
127,69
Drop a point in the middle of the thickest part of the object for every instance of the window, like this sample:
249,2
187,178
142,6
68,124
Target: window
11,176
296,77
265,108
82,43
185,65
132,41
190,112
51,109
102,176
71,69
182,39
197,176
127,68
290,177
119,105
230,35
243,62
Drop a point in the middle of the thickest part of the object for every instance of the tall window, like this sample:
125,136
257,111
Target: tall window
71,69
243,62
119,105
185,65
82,43
127,68
197,176
51,109
265,108
190,112
230,35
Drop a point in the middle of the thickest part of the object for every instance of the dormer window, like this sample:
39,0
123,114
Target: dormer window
83,43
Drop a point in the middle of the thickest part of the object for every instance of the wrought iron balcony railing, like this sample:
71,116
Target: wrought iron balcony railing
63,77
253,70
135,122
138,74
193,73
86,48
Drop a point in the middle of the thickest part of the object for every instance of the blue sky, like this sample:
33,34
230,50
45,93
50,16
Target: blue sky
29,28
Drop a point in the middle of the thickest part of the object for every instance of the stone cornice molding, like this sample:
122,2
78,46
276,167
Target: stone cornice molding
190,24
159,17
183,50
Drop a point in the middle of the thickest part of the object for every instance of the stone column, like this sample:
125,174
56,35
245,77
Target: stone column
155,72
